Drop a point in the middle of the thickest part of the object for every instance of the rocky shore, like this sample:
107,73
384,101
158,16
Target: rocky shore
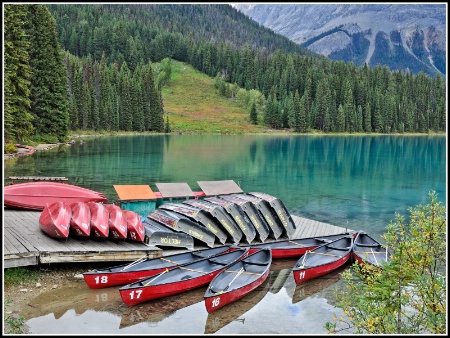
27,150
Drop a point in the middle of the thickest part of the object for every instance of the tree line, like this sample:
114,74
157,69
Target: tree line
101,57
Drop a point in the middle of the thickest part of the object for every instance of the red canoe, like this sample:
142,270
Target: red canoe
118,227
36,195
55,219
99,220
179,279
136,230
238,279
146,267
296,247
80,223
323,259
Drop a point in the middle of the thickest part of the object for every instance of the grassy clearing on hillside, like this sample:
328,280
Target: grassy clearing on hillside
194,105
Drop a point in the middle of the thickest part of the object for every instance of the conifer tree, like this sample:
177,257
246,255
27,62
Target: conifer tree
253,114
49,101
17,73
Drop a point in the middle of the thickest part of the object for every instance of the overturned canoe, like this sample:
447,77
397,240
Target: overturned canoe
99,220
238,216
117,222
80,222
162,236
55,219
247,207
198,215
36,195
228,224
183,224
267,212
135,227
280,210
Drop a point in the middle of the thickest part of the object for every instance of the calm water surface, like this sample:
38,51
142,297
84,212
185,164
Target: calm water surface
359,182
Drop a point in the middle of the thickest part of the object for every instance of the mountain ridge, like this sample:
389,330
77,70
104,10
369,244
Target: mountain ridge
400,36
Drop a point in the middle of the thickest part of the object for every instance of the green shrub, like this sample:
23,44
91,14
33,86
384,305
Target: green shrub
10,148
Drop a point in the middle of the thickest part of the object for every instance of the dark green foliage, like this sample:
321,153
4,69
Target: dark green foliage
17,73
49,101
253,113
107,82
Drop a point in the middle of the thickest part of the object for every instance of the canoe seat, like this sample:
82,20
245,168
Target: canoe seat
218,262
373,245
253,262
199,255
338,248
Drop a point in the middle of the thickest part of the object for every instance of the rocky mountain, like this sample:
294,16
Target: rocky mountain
400,36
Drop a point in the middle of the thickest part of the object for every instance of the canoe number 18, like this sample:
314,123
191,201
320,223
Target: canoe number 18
101,279
216,301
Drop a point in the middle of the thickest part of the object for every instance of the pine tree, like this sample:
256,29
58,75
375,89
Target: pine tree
49,101
17,73
253,114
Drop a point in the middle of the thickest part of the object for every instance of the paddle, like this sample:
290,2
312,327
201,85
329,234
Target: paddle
225,288
373,253
162,273
135,262
304,257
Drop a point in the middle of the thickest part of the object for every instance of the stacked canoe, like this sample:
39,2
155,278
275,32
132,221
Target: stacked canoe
91,219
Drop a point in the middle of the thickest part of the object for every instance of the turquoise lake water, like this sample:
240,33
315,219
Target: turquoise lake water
358,182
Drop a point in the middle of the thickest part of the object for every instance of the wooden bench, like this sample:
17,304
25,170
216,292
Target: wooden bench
21,179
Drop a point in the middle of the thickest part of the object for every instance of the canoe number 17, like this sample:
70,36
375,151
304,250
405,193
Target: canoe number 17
137,293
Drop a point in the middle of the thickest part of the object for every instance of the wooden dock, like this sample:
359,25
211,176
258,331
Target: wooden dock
25,244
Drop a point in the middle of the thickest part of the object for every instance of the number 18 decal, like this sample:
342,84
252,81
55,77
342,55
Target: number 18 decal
216,301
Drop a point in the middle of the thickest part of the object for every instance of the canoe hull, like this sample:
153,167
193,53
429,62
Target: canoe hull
231,228
302,275
130,273
36,195
55,219
295,247
99,220
368,251
238,279
179,279
323,259
136,230
143,294
80,223
216,302
117,222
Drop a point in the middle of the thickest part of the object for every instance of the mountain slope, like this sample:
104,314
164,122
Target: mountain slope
410,36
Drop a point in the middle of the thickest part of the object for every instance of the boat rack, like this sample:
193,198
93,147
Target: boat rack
19,179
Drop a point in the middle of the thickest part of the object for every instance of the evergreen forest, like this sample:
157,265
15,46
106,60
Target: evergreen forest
93,67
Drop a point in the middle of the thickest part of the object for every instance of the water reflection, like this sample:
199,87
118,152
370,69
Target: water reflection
235,311
76,309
